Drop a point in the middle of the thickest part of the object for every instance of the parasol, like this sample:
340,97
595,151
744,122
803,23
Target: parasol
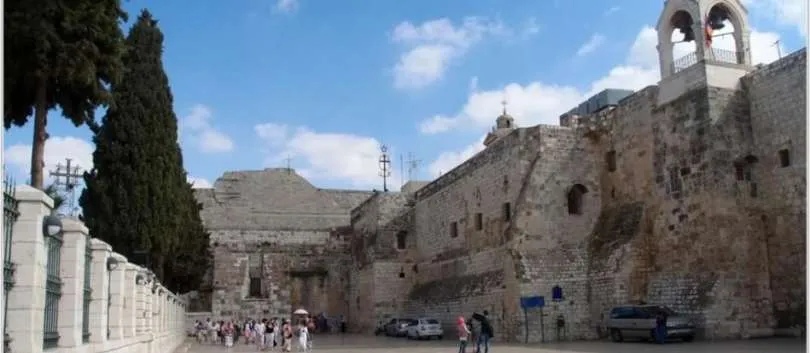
301,312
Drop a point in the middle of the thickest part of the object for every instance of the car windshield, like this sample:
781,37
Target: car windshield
431,322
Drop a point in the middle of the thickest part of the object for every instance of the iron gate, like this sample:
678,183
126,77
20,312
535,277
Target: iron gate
10,214
53,290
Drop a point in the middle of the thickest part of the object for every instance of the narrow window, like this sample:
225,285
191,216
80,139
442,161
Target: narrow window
754,191
507,211
453,229
784,158
575,196
479,221
255,269
739,171
402,238
610,159
674,181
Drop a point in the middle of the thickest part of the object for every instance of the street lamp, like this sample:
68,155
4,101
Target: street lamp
51,226
112,263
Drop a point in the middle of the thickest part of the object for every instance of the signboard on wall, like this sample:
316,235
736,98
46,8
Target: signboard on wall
532,302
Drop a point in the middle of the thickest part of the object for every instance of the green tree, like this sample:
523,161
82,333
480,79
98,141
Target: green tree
56,195
62,54
191,256
137,196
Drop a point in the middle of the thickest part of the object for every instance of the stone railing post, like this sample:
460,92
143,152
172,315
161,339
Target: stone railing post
100,285
147,299
140,303
71,303
26,300
130,296
117,297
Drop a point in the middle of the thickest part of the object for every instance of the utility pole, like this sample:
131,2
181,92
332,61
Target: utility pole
385,166
71,180
778,48
413,166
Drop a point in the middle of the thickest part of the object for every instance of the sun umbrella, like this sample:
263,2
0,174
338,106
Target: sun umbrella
301,312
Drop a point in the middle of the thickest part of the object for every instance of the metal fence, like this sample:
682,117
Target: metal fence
10,214
53,290
713,54
88,292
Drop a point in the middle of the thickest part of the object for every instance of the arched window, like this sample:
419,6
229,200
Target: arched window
402,240
575,196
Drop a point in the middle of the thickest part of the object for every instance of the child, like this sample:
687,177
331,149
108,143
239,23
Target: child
463,335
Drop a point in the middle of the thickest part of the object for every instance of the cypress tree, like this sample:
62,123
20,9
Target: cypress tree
137,197
58,54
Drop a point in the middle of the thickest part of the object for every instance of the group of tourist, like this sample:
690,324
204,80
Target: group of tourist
483,335
267,334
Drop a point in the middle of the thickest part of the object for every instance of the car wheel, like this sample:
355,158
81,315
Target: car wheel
616,335
688,338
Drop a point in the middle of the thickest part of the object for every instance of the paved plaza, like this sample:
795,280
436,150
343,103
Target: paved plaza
371,344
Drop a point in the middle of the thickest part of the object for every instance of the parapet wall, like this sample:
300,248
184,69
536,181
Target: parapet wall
121,309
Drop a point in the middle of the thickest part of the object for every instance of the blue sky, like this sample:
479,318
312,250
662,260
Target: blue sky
326,82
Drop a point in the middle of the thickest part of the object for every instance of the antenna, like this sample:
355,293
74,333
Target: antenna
778,48
71,180
401,170
289,164
385,166
413,166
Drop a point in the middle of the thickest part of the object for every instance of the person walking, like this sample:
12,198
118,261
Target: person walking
486,332
463,335
303,334
660,326
287,335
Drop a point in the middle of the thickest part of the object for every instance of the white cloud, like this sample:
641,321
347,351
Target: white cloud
199,183
450,159
592,44
287,6
325,156
57,150
200,131
433,45
787,12
612,10
542,103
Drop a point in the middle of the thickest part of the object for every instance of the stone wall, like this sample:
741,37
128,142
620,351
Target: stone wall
292,231
685,204
127,311
778,96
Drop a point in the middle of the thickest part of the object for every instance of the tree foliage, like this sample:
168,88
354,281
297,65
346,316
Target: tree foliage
137,197
62,54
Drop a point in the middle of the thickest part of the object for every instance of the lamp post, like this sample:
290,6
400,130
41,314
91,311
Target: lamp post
112,264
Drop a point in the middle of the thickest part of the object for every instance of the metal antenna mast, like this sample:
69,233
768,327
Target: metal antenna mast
385,166
413,166
289,164
71,179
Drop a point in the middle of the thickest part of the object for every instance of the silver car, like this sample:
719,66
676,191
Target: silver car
638,322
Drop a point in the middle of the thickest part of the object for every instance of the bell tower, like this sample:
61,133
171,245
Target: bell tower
716,33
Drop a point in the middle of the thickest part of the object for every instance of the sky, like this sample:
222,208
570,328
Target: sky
322,84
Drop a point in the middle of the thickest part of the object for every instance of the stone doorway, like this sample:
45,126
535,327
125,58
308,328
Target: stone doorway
309,290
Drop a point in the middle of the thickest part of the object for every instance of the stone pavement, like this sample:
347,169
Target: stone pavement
371,344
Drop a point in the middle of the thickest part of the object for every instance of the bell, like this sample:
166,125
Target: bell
716,23
688,34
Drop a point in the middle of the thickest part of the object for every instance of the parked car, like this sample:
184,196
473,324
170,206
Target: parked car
638,322
425,328
397,327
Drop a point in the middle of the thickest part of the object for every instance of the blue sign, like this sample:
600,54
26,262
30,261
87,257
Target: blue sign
532,302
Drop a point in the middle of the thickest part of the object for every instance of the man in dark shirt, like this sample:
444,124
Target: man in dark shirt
486,332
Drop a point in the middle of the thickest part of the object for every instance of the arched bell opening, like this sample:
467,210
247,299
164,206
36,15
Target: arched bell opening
723,37
682,36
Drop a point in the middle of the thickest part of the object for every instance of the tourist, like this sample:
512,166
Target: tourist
270,335
660,326
486,332
310,329
261,328
212,331
286,332
228,332
463,334
248,331
303,334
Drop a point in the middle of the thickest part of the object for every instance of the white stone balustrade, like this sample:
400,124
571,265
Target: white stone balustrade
121,301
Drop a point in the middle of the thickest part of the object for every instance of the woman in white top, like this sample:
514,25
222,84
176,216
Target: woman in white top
303,334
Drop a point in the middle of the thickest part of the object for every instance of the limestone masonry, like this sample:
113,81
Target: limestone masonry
689,193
